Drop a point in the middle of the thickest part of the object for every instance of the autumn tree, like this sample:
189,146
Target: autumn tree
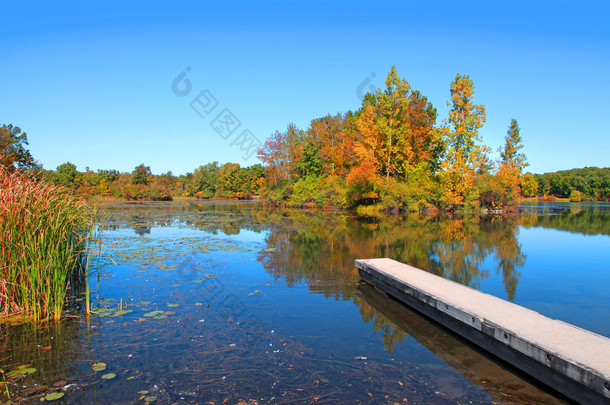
335,146
397,129
529,185
511,162
281,153
382,125
274,156
509,153
464,154
13,152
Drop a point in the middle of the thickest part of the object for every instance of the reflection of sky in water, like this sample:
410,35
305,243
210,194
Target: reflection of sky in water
244,235
567,276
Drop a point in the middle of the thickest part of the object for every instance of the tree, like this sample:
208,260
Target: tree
233,181
310,162
529,185
204,182
334,145
140,174
464,155
13,154
509,154
396,129
281,153
466,118
66,174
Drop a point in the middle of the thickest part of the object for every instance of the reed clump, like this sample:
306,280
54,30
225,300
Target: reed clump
44,236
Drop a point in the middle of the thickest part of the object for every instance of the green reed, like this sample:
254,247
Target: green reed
44,234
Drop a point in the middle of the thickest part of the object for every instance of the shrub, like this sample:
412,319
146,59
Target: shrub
575,196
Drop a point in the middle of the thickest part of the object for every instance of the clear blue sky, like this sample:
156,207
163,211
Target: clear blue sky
91,83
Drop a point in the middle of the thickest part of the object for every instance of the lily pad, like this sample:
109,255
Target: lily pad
153,313
143,392
173,305
22,370
160,317
122,312
144,302
150,399
98,366
108,376
53,396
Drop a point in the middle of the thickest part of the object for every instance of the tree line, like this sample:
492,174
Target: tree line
586,184
393,151
229,180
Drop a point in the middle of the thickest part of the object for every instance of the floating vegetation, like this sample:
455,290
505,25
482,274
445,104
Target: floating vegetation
21,371
53,396
108,376
98,367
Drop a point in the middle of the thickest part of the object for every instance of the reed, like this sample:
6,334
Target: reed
44,234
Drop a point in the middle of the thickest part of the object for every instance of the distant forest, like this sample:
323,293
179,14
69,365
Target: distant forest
589,183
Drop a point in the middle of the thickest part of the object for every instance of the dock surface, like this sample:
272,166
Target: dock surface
574,361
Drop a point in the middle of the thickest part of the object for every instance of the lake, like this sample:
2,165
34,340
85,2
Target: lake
228,303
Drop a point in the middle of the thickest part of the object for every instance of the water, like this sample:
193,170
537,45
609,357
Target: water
234,303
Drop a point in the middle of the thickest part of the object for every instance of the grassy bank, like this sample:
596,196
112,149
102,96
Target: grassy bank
44,232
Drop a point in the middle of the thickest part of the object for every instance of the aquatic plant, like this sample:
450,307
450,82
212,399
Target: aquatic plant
45,232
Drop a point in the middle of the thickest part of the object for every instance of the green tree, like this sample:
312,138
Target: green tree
204,182
13,152
310,162
66,174
140,174
509,154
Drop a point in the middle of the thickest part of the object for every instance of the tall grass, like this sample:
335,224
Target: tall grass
44,232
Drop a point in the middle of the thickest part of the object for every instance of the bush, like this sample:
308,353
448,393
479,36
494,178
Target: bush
575,196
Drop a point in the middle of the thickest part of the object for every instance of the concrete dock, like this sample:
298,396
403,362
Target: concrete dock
569,359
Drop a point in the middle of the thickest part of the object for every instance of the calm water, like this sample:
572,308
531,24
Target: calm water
235,303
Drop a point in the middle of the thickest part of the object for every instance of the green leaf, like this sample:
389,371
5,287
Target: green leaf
109,376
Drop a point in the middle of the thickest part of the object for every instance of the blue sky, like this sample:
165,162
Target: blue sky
91,83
